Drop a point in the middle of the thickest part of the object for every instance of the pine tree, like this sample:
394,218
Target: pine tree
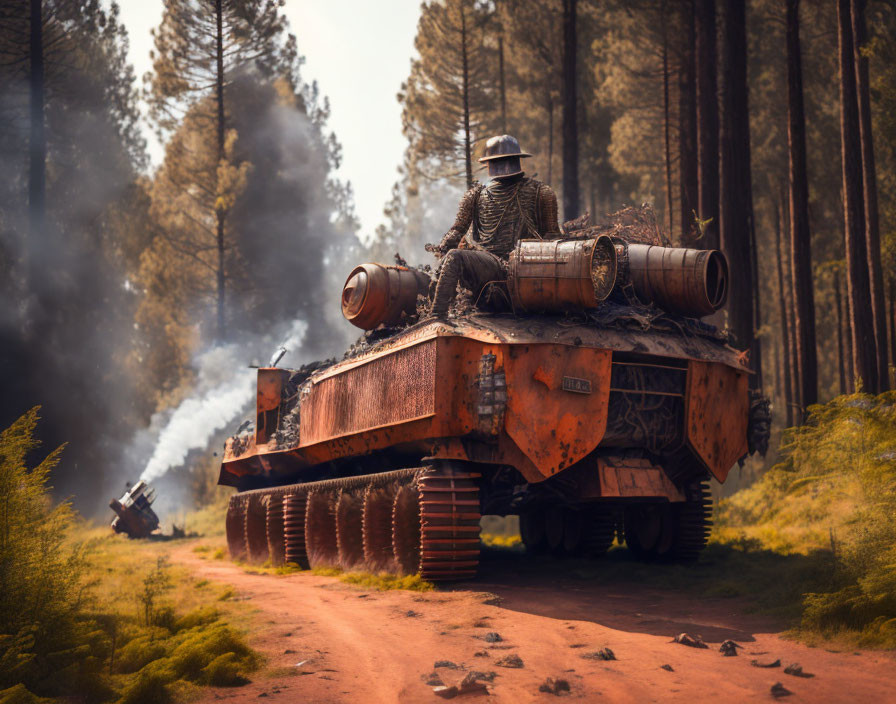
864,361
199,46
800,239
570,112
707,122
450,100
736,209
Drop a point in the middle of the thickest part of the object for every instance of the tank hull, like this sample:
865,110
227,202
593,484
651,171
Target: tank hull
529,393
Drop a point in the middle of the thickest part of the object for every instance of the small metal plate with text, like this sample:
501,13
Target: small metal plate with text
577,386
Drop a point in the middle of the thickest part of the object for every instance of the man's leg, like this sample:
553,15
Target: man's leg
470,267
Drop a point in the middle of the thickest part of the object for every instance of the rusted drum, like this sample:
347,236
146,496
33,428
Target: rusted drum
691,282
559,275
376,294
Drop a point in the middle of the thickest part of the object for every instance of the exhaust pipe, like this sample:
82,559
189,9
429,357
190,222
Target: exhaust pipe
690,282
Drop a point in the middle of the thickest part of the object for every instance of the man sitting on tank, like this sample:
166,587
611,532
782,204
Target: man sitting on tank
510,208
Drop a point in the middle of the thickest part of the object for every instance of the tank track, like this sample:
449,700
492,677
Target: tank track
423,520
677,531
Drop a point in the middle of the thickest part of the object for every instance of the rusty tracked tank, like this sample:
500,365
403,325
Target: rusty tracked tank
592,417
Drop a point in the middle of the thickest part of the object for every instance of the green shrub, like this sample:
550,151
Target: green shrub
833,491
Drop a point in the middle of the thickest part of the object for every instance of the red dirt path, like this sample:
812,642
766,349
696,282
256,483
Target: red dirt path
360,645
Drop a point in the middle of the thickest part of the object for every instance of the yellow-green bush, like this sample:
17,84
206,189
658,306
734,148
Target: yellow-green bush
834,490
96,621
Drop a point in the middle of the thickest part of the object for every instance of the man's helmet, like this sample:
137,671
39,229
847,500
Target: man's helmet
502,154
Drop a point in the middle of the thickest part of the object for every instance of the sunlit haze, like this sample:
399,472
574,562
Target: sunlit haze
359,52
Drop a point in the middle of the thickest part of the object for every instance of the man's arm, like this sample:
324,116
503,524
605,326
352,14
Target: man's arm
547,212
462,222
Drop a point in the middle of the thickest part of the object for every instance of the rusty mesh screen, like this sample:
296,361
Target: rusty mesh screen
396,387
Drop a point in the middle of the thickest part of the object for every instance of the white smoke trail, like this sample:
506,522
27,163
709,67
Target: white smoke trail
224,390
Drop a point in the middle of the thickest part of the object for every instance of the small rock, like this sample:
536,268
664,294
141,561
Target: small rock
263,694
433,680
481,654
411,614
552,686
779,690
602,654
668,668
446,692
471,683
756,663
445,663
729,648
797,671
492,637
485,676
690,641
500,647
490,599
289,652
512,660
578,645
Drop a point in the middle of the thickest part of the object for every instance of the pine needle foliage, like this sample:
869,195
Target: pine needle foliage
834,490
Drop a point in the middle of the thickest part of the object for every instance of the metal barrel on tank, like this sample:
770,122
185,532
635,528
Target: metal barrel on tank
559,275
376,294
691,282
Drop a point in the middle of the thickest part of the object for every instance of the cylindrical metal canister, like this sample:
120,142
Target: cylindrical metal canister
558,275
691,282
376,294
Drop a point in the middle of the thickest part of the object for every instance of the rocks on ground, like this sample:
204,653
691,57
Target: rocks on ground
729,648
779,690
690,641
554,686
756,663
513,660
797,671
602,654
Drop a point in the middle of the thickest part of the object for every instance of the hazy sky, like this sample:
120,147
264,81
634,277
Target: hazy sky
359,52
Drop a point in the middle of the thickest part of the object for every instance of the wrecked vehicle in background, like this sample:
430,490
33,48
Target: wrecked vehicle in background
135,515
587,397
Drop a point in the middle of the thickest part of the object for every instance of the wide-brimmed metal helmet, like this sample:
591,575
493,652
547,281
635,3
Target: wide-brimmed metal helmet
503,154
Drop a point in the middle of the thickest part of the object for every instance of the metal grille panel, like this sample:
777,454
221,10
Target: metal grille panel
390,389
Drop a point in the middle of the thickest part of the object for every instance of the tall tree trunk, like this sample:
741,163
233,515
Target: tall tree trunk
893,320
37,149
864,360
707,123
687,128
570,112
465,88
841,362
789,296
846,328
550,138
220,213
800,239
736,202
782,314
501,82
666,121
869,176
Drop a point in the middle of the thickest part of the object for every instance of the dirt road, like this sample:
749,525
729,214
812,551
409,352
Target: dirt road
349,644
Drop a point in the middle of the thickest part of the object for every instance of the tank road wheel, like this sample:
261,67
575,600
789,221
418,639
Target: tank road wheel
694,521
406,529
435,525
320,529
600,531
676,531
376,521
274,529
234,526
554,523
532,531
449,519
256,533
294,507
349,531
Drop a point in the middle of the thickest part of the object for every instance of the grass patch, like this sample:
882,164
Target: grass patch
386,582
493,540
